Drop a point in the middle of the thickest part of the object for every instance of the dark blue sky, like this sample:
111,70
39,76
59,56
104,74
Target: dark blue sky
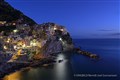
82,18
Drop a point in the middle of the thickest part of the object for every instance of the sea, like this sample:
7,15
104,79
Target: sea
79,67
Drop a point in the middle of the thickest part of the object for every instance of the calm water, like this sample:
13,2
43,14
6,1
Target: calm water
108,49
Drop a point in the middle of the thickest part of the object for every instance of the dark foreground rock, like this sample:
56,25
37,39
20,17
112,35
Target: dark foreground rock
10,67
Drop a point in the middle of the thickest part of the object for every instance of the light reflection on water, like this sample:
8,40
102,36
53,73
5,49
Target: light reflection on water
60,71
14,76
60,68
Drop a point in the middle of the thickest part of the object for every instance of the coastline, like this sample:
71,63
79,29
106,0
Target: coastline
7,68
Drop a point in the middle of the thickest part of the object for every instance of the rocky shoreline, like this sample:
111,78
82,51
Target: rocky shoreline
86,53
10,67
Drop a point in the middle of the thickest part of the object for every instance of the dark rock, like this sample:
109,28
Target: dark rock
9,14
60,61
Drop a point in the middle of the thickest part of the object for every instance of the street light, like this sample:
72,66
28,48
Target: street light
5,47
55,28
33,43
15,30
8,40
60,39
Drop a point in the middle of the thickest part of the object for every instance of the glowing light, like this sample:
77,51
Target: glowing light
15,47
15,31
60,39
60,68
13,76
33,43
5,47
14,23
2,22
24,46
19,52
8,40
55,28
62,30
60,57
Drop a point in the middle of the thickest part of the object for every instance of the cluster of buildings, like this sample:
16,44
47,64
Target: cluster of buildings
12,23
5,23
27,39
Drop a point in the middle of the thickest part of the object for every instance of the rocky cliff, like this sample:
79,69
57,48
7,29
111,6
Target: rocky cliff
58,39
25,37
23,42
42,39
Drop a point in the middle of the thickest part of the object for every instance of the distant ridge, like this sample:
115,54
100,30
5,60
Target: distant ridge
9,14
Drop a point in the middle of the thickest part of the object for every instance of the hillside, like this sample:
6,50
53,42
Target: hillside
9,14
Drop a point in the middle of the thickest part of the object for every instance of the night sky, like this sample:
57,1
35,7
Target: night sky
82,18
